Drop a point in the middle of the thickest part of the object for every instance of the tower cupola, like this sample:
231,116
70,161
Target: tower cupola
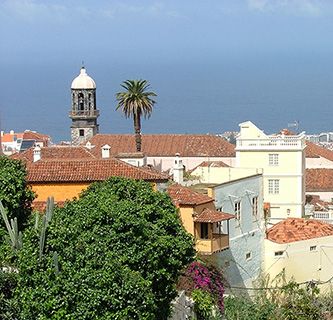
84,112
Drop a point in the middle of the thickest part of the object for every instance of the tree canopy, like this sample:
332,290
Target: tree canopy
15,195
136,101
120,248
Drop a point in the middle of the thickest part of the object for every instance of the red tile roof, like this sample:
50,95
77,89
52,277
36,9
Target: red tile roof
7,137
88,170
165,145
312,150
211,164
320,205
32,135
26,135
297,229
184,196
211,216
319,180
287,132
56,152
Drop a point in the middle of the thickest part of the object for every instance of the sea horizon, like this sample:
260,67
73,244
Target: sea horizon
194,97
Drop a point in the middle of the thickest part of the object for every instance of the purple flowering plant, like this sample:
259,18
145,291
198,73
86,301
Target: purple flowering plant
206,278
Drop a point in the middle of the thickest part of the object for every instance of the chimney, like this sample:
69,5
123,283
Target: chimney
106,151
178,170
11,132
37,154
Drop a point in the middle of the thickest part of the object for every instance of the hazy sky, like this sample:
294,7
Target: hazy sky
53,31
43,42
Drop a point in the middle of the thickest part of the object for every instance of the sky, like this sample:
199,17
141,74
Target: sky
212,63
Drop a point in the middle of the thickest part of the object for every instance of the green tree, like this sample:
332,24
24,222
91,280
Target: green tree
15,194
135,102
120,246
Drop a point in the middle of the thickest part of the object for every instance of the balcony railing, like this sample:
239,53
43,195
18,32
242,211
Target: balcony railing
84,114
272,142
217,243
323,216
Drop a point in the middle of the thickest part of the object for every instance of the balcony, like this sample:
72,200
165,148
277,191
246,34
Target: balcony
217,243
272,143
323,216
83,114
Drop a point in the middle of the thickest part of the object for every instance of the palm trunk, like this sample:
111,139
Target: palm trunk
137,129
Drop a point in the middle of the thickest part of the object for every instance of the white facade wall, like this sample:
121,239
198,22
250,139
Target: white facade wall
166,163
313,163
325,196
223,174
302,260
282,160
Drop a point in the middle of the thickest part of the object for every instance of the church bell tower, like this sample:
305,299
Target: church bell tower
84,112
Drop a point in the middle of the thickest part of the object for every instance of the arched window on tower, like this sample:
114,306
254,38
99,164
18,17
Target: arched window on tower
89,99
81,102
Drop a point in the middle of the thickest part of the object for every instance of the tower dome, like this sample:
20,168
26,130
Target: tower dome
84,112
83,81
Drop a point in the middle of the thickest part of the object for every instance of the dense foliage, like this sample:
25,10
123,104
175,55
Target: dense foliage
120,248
15,195
289,302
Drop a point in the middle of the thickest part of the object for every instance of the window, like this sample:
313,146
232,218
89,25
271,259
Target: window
255,206
237,209
278,253
81,132
204,230
313,248
273,159
273,186
248,255
81,102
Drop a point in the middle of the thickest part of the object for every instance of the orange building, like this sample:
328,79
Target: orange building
200,218
63,172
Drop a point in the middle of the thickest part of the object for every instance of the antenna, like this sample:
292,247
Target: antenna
294,125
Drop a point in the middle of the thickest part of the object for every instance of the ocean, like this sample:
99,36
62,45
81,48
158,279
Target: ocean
195,96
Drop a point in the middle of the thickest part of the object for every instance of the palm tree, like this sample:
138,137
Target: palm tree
135,102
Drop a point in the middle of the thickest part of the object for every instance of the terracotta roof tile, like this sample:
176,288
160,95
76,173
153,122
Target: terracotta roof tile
7,137
87,170
165,145
320,205
319,180
297,229
31,135
56,152
211,164
211,216
312,150
184,196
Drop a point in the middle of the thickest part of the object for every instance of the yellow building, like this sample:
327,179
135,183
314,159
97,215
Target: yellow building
200,218
301,247
282,159
219,172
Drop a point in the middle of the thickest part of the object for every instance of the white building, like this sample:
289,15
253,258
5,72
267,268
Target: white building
303,248
282,159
